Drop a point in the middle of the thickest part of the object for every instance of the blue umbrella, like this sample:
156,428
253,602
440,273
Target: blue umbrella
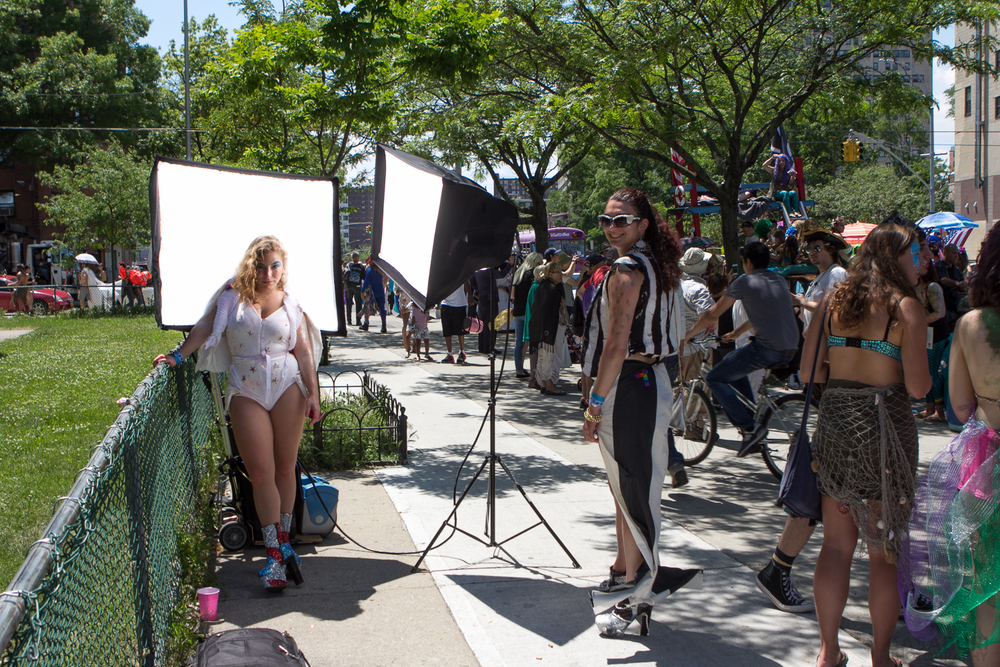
946,220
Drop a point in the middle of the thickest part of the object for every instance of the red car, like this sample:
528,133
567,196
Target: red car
47,300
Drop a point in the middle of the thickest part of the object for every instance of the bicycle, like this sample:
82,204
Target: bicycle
780,412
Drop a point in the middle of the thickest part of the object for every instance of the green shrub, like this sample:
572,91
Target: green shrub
351,433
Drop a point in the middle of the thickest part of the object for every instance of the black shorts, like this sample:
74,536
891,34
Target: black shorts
453,320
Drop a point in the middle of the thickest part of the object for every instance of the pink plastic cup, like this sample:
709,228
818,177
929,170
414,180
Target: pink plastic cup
208,603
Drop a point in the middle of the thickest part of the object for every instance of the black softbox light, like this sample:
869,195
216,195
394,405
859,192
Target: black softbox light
433,229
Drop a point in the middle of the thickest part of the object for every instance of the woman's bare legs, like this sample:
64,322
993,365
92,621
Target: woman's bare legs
833,578
255,440
988,656
628,559
287,417
883,604
269,445
619,565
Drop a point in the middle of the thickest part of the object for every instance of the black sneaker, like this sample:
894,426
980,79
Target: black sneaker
678,476
777,584
751,440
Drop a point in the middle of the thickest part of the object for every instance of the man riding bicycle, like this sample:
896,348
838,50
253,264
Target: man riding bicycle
768,304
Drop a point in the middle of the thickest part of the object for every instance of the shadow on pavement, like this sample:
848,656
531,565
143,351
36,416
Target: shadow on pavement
324,595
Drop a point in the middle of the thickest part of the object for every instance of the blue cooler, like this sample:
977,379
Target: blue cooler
316,493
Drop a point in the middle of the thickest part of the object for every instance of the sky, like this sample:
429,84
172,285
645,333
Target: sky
168,20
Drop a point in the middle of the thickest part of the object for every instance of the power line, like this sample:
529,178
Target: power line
151,92
97,129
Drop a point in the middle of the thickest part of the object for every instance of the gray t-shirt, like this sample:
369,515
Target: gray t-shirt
768,304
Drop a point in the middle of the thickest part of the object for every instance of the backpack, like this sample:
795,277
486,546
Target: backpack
243,647
355,275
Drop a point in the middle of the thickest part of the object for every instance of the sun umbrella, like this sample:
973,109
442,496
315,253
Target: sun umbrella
945,220
86,258
856,232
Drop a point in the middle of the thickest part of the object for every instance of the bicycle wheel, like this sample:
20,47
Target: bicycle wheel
782,429
700,431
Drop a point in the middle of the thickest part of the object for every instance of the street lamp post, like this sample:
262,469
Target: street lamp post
932,175
187,89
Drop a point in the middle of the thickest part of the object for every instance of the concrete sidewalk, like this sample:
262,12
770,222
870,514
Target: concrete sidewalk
524,602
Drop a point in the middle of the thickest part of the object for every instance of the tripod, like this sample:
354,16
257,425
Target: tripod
491,461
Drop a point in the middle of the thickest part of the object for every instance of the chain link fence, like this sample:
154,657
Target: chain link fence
100,586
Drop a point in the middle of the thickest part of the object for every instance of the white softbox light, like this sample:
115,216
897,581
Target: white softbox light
204,218
432,229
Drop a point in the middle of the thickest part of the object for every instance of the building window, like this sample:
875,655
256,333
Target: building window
996,107
968,101
7,203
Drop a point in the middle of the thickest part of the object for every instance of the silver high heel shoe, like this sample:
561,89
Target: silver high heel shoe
614,622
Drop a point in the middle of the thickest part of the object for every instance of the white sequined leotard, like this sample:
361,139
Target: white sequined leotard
262,364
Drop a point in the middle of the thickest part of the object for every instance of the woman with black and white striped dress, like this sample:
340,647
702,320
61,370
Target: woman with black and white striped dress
641,322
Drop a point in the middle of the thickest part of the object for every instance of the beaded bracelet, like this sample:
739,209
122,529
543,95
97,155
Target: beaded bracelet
595,400
593,419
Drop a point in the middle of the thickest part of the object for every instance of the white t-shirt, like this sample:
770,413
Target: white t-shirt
458,298
822,284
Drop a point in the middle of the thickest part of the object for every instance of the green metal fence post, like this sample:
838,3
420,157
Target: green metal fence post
143,611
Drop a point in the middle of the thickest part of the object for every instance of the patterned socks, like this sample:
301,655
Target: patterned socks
782,561
273,573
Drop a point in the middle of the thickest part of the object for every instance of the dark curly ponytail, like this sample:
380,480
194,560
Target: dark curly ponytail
662,242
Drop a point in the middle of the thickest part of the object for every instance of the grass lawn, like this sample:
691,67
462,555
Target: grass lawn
58,390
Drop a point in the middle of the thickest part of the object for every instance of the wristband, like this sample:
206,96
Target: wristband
595,400
177,357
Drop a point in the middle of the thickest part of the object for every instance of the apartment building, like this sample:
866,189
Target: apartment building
977,141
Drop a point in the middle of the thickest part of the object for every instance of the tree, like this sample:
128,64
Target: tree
311,88
72,66
598,176
871,192
714,81
500,117
102,202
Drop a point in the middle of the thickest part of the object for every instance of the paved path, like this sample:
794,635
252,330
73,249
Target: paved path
7,334
524,602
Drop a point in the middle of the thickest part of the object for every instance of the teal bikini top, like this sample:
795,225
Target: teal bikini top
881,346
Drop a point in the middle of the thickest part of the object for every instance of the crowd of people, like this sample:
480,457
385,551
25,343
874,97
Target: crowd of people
888,320
898,320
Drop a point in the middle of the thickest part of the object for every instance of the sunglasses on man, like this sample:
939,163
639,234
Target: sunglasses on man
619,221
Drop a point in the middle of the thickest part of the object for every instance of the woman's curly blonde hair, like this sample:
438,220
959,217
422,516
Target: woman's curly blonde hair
245,281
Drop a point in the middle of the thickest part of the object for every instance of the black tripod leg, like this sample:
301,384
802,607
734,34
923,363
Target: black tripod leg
534,509
468,487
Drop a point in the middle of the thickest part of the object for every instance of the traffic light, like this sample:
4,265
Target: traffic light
851,150
859,151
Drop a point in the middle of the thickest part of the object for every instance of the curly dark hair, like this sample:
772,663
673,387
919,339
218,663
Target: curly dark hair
661,239
984,284
876,279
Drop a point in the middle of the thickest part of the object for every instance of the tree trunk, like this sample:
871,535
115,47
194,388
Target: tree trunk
730,225
114,268
540,223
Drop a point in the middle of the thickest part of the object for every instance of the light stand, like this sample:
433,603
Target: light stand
492,460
